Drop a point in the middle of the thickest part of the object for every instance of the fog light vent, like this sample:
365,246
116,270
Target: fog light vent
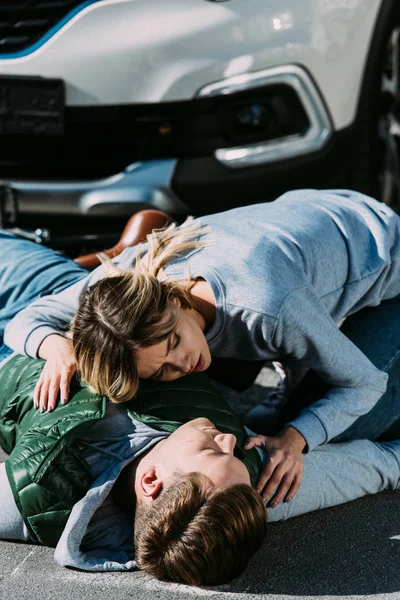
253,118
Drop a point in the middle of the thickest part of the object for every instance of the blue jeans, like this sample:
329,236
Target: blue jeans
5,352
28,271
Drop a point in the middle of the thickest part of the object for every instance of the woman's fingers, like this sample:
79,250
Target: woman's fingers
294,488
53,391
255,441
265,483
44,394
281,490
53,385
36,393
60,366
64,387
272,483
280,478
249,444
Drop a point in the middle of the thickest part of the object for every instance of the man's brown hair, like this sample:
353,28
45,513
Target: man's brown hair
199,535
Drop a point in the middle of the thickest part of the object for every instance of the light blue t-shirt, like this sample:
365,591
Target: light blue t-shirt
283,275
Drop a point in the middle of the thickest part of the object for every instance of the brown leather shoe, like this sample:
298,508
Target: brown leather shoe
139,225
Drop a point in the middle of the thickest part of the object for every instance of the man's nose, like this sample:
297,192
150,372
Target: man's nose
226,441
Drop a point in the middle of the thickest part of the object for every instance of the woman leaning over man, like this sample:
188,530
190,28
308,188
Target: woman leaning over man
270,281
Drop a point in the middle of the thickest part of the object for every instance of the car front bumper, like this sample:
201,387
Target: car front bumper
212,127
141,185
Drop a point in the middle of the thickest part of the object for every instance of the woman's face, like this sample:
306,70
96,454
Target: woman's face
185,351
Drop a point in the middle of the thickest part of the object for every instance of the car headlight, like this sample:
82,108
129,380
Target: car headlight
282,116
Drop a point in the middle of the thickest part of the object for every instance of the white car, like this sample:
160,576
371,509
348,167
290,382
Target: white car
195,106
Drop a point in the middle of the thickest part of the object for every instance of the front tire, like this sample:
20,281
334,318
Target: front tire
375,168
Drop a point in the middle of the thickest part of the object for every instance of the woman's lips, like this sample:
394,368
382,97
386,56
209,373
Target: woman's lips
199,365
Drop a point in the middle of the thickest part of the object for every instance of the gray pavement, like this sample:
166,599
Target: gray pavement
351,551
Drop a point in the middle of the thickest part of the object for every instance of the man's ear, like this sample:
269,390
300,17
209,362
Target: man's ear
150,484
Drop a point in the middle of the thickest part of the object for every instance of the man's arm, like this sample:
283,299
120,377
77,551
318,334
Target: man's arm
12,526
338,473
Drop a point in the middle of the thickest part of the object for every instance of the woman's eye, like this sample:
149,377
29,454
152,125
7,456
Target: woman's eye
160,374
177,341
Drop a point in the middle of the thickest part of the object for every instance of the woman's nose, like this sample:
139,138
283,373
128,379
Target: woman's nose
183,363
226,441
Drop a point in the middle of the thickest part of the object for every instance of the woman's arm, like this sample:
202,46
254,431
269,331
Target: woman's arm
306,331
38,331
52,314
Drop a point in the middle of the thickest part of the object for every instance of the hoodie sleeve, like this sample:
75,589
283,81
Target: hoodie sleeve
53,314
306,332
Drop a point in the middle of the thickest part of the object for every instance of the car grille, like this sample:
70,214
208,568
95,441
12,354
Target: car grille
23,23
99,141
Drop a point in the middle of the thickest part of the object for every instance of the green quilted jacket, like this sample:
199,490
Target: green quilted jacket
46,471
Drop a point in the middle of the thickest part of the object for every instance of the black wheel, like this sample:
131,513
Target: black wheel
389,125
375,169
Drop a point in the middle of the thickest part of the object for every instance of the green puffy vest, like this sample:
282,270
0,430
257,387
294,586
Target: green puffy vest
45,469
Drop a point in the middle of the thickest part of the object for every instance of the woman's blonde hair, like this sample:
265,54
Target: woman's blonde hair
197,534
131,309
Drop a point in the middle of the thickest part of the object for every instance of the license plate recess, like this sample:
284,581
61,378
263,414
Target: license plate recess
31,106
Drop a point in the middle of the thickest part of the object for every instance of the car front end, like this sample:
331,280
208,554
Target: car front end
107,106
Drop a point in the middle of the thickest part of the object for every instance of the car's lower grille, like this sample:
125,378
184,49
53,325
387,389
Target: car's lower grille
103,140
24,22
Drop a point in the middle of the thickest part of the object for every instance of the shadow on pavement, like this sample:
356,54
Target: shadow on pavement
336,553
341,551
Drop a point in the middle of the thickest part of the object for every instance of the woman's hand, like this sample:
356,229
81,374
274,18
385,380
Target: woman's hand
57,372
284,469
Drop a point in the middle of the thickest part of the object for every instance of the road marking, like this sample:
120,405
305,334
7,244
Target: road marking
23,561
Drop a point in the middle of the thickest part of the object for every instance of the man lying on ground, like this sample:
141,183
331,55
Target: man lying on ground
95,479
